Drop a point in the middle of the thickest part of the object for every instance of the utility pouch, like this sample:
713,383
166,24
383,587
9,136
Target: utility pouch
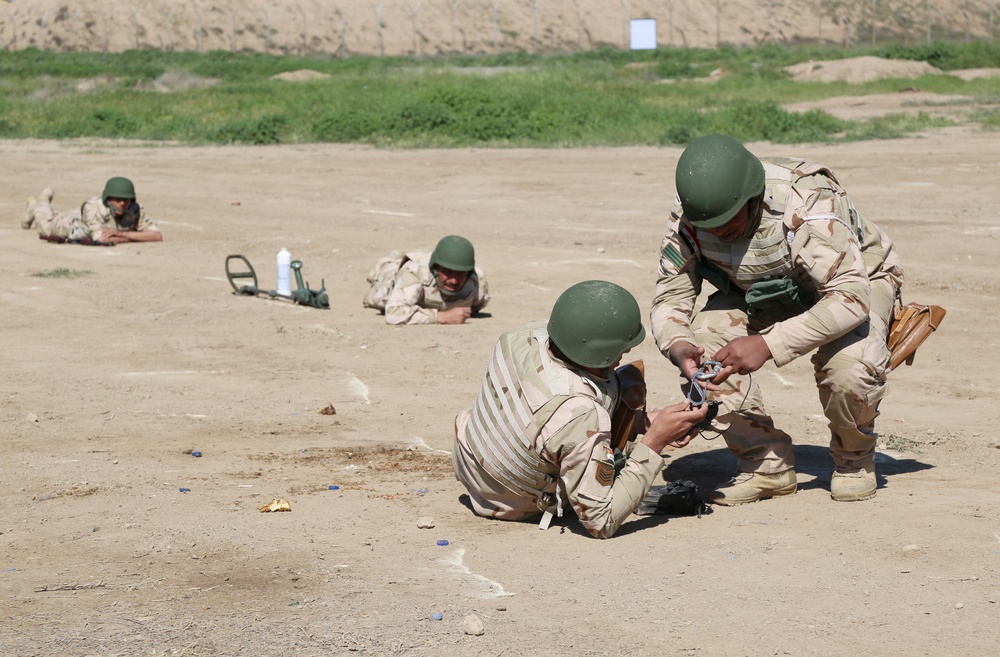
912,324
775,300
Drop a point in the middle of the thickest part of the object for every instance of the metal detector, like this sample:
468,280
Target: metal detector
302,296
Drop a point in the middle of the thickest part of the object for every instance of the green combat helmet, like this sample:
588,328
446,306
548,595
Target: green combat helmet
594,322
118,187
454,253
715,177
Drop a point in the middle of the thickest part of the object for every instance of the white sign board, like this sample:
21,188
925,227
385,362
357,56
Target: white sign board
642,33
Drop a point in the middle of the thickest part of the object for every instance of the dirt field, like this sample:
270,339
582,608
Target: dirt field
113,378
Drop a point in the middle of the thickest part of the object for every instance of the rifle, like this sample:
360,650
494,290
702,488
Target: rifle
631,406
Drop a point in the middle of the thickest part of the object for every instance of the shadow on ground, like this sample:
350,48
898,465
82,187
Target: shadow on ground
709,469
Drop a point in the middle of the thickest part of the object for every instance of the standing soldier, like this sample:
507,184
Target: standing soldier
796,269
112,218
540,431
441,287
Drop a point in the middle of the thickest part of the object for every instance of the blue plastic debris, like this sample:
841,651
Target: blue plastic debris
422,491
185,490
436,616
196,454
333,487
442,542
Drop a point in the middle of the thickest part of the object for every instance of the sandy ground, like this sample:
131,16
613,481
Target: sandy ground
113,378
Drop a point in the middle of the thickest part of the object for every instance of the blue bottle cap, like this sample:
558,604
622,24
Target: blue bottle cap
422,491
333,487
196,454
442,542
185,490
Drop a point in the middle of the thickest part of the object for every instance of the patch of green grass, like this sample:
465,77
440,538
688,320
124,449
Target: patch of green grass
62,272
988,119
597,98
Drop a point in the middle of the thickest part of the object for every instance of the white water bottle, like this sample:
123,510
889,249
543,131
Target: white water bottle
284,272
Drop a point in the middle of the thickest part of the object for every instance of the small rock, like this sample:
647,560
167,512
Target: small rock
31,417
502,608
600,249
425,522
959,605
995,443
473,626
911,547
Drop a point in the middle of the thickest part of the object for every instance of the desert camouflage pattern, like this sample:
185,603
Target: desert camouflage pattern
88,221
811,232
538,436
404,286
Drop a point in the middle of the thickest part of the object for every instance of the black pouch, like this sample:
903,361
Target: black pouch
775,300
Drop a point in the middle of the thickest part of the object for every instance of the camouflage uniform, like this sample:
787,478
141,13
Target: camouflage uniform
88,221
406,289
811,233
538,436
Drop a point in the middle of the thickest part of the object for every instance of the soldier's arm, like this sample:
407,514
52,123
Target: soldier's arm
677,289
601,500
482,291
90,215
403,306
828,250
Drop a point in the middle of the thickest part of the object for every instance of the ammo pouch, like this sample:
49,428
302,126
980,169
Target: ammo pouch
775,300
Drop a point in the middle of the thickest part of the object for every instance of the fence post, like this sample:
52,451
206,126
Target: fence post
267,29
199,34
496,26
670,20
718,24
170,30
579,24
305,32
378,30
414,11
454,10
45,28
624,23
873,25
73,27
534,20
928,21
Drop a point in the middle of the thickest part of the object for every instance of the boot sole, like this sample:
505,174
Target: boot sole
853,498
763,495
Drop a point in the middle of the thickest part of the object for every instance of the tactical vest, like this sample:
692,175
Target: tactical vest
522,389
767,255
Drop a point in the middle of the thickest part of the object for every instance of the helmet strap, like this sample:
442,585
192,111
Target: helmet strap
755,211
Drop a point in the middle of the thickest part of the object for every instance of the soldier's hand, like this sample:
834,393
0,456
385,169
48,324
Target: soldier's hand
673,426
742,356
687,357
454,315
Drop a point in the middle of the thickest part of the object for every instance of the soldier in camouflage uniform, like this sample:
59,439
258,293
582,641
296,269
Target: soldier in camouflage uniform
440,287
538,435
797,270
112,218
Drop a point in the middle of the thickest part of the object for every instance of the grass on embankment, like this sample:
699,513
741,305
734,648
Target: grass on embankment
605,98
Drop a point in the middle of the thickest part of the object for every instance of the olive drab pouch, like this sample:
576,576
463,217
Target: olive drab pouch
775,300
912,324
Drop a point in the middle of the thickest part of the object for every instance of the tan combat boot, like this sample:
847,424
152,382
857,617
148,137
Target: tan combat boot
853,485
752,486
28,217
